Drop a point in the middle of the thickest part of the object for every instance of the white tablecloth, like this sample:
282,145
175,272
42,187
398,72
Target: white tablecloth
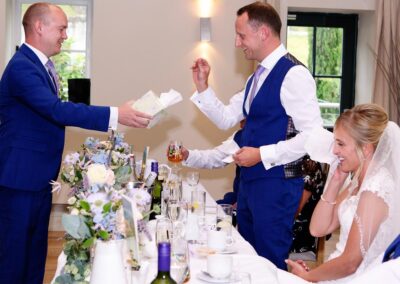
245,260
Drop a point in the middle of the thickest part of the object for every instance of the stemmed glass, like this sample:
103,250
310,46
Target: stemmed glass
174,152
192,179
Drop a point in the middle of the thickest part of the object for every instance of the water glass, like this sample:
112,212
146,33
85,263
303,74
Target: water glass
224,218
164,230
198,202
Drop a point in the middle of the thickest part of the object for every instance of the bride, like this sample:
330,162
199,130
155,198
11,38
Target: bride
361,197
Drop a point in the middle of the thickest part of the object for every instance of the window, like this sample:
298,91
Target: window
326,44
73,61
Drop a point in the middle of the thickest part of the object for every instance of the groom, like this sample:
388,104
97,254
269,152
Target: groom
280,107
32,129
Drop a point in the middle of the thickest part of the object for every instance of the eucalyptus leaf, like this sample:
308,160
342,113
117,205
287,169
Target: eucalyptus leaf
75,226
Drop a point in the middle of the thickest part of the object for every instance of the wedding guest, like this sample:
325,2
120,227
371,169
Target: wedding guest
361,197
280,107
32,129
314,181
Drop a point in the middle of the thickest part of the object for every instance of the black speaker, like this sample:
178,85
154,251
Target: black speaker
79,90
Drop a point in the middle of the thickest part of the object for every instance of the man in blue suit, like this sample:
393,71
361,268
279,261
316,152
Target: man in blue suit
32,129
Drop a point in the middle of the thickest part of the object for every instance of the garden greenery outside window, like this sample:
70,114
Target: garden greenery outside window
326,45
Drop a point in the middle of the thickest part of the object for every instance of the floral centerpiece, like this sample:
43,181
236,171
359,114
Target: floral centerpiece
97,176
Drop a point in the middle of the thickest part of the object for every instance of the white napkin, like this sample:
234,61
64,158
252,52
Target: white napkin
319,145
156,106
229,147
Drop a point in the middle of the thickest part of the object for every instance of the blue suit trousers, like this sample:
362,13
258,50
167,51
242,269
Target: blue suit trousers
24,222
265,212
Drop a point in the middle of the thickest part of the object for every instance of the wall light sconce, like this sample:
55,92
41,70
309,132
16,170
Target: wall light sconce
205,29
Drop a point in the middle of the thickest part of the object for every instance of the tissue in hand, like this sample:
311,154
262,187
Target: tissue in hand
151,104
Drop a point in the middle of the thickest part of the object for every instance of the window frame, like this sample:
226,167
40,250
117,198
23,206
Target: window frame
349,24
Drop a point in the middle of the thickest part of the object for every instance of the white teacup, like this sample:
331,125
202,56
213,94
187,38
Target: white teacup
219,266
216,240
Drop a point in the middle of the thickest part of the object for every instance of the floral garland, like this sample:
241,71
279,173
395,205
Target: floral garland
97,177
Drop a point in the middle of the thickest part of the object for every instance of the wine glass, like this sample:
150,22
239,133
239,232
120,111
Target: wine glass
174,152
192,179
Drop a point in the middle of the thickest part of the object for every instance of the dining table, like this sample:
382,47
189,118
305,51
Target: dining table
245,259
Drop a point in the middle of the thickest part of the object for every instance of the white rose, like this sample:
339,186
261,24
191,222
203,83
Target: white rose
71,200
97,174
75,211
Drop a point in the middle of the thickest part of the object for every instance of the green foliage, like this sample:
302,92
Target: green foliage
328,62
69,66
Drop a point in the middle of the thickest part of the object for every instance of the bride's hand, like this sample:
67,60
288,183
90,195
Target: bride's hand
339,174
298,267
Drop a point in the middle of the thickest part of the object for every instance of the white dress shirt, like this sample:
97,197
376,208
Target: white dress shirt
208,159
298,97
113,121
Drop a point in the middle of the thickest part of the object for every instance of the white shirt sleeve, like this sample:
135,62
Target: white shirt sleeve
208,159
113,122
223,116
299,100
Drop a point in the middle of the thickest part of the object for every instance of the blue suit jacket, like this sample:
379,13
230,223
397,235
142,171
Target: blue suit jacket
32,123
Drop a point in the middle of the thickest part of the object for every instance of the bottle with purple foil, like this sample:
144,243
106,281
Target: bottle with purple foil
164,265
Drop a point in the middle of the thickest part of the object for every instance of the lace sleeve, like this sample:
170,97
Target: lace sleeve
374,204
381,184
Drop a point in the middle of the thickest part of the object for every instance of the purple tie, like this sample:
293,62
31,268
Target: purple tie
53,74
257,75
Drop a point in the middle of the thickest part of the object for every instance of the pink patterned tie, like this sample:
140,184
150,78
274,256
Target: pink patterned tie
257,75
53,74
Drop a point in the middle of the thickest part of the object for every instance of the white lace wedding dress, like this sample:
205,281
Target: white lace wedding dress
381,184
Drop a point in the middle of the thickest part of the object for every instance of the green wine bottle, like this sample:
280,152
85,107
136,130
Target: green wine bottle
157,188
164,265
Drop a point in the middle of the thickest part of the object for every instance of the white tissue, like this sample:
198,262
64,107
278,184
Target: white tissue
319,145
229,147
156,106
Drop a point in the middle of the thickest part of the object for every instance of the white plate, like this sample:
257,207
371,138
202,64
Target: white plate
228,251
206,277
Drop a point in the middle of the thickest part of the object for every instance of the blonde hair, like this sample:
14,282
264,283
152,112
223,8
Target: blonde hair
365,123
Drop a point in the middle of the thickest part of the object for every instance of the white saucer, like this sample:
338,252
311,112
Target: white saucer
206,277
228,251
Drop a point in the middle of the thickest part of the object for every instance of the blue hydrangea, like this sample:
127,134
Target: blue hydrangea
100,158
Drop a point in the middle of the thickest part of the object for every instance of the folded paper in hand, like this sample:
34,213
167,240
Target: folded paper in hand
319,145
156,106
229,147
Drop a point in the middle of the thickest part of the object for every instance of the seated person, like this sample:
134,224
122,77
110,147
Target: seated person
361,197
388,271
314,182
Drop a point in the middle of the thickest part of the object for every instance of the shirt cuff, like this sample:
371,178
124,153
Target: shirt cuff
203,97
113,122
267,156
